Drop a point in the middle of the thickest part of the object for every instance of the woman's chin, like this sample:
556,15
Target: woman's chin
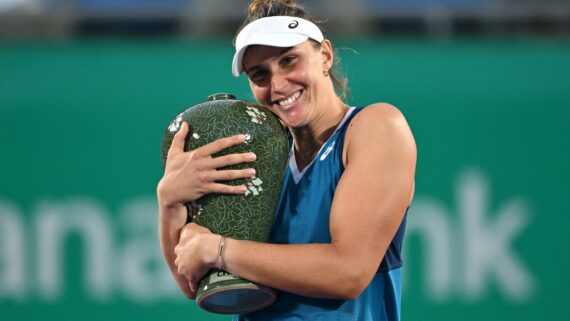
293,120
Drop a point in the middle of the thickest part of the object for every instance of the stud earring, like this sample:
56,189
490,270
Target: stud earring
325,73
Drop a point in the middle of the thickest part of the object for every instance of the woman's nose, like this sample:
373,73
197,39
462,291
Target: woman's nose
278,83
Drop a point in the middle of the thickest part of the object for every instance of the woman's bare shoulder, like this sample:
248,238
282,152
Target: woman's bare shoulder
378,124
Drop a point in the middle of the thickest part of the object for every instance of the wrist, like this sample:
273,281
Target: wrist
211,256
163,196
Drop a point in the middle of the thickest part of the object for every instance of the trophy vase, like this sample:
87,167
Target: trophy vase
241,217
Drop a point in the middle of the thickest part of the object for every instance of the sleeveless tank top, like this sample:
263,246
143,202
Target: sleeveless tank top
303,217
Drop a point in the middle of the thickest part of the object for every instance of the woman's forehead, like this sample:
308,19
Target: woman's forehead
257,54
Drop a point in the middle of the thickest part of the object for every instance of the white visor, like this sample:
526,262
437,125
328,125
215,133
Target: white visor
276,31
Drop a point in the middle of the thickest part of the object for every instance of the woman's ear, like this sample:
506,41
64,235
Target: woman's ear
327,54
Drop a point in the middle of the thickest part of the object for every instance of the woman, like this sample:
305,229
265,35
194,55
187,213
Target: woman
336,239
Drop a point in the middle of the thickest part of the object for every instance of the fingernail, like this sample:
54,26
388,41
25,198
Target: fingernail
251,172
253,156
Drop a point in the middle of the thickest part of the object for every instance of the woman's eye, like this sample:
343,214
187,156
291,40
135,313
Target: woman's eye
256,75
287,61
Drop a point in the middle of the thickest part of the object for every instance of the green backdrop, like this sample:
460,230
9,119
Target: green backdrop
80,130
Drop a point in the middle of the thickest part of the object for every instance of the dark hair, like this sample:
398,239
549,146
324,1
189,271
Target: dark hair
267,8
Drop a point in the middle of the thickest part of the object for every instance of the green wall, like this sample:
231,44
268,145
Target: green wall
80,131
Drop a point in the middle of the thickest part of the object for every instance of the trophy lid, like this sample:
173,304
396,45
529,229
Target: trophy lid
221,96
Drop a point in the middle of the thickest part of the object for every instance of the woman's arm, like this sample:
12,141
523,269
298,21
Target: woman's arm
368,207
170,222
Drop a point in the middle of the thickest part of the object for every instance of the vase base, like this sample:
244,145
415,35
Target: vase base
236,299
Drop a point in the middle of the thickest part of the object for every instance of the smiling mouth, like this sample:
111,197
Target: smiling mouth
291,100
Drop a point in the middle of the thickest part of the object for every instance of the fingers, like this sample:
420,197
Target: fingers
179,140
214,147
210,179
227,189
219,145
232,159
228,175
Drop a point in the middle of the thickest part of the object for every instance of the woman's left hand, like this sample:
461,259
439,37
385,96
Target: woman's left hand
196,253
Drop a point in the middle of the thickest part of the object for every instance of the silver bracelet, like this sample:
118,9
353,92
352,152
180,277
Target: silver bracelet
221,251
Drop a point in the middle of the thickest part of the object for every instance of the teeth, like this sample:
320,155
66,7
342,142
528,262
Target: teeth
290,100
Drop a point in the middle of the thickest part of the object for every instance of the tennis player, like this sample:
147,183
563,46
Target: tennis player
336,241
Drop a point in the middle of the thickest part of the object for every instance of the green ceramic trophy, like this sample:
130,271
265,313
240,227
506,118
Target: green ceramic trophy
244,217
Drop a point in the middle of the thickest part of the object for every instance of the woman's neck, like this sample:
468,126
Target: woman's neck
308,139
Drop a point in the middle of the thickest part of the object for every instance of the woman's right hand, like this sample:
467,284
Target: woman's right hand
193,174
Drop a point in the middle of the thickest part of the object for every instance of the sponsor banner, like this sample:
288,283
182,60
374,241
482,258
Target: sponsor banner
80,133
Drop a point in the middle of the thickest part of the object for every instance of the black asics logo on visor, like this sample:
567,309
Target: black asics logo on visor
293,24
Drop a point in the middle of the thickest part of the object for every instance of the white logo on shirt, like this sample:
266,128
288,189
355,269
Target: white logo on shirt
327,152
